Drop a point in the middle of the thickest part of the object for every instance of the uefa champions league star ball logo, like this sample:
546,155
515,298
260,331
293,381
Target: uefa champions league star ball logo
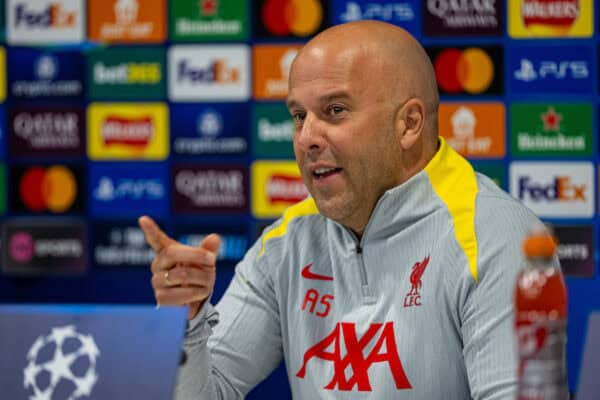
61,365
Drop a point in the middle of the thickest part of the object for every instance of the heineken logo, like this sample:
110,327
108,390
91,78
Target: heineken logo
551,129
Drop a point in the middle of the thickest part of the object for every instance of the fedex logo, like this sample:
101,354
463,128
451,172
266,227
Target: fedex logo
555,69
53,15
44,21
217,71
560,189
202,72
554,189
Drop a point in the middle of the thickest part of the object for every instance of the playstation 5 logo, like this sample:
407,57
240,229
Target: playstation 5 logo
384,12
527,72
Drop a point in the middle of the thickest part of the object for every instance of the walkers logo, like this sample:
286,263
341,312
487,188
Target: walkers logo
39,246
372,344
273,131
576,250
271,66
128,131
128,189
210,188
209,20
551,69
550,18
46,131
559,129
131,73
474,129
45,21
199,73
218,129
468,70
52,189
34,74
275,187
399,12
289,18
496,171
413,297
127,21
234,240
465,18
555,189
118,244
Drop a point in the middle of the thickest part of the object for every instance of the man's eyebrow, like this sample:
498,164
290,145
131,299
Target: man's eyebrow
339,95
326,98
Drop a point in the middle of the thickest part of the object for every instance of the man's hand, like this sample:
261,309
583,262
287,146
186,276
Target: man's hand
181,274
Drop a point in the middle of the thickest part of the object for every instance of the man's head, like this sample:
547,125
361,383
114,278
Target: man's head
364,100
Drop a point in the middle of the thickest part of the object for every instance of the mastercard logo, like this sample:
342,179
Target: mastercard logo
296,17
470,70
53,188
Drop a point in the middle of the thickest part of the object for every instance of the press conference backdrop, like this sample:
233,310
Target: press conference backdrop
116,108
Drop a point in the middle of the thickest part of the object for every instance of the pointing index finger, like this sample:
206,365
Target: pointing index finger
156,238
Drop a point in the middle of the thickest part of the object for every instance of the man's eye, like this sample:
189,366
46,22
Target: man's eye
334,110
298,116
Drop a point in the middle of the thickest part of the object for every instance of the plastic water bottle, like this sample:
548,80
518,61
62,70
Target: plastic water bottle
540,321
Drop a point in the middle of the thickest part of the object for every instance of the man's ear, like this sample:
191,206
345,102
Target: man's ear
410,120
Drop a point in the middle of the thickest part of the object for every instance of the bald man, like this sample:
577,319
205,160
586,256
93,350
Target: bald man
393,280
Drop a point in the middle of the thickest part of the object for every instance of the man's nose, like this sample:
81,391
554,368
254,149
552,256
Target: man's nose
310,137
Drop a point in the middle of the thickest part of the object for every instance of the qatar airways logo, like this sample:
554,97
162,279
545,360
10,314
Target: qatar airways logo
209,189
129,131
45,130
451,16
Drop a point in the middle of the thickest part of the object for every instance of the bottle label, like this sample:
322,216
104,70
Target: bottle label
542,365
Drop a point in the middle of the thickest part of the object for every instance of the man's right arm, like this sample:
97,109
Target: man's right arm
245,345
238,341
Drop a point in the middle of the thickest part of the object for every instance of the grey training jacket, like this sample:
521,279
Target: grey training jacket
420,308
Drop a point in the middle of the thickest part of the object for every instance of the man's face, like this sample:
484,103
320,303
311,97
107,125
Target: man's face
344,139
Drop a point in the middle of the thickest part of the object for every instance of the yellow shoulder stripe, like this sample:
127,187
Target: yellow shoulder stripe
453,180
303,208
